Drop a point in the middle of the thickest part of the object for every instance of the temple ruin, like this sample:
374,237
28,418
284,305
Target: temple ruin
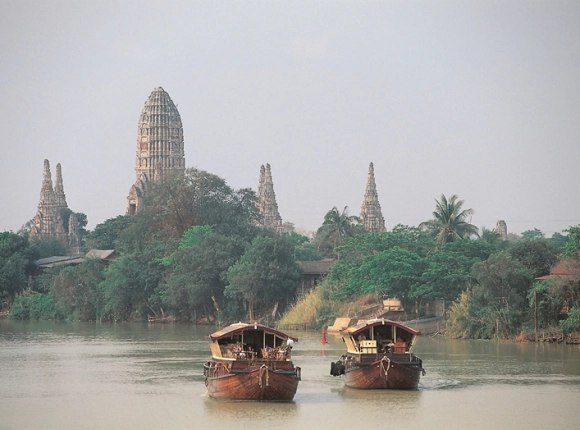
269,217
48,221
371,216
501,229
160,146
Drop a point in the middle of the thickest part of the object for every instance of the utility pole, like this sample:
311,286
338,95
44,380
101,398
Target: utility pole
536,314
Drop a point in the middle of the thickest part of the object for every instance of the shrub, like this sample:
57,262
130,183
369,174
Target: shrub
32,305
572,323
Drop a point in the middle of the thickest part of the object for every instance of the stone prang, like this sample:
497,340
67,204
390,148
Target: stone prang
501,229
48,221
371,216
269,217
160,145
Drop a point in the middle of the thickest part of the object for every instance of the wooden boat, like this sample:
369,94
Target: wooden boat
379,356
251,362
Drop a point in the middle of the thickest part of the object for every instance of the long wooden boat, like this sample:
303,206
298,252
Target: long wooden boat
251,362
379,356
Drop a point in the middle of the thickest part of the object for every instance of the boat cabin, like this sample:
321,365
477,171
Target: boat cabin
243,341
379,336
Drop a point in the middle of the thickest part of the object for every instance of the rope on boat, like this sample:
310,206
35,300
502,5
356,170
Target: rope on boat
263,370
385,369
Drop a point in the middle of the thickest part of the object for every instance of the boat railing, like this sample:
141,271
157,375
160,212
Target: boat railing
279,354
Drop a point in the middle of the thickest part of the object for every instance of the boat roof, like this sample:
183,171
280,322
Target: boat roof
360,327
240,327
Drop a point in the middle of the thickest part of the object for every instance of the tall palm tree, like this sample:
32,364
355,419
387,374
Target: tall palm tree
335,227
490,236
449,222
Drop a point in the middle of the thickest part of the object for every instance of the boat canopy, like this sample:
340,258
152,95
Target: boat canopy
361,327
241,327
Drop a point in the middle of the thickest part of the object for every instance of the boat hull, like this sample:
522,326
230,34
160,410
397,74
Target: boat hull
383,374
259,383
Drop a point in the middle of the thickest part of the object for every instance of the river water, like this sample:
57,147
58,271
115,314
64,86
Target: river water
139,376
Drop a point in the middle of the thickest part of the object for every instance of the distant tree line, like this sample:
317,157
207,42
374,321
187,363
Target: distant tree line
489,281
195,253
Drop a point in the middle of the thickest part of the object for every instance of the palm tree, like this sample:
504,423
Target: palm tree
490,236
450,222
335,227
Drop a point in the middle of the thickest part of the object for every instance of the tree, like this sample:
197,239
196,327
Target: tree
532,234
176,203
48,246
15,262
335,228
572,247
304,249
537,255
492,237
130,289
450,268
395,272
449,222
559,241
198,276
496,306
369,249
106,234
266,274
75,291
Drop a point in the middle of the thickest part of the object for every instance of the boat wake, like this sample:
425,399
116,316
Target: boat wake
440,384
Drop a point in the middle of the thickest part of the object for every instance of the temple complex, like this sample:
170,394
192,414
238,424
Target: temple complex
48,221
370,214
160,145
501,229
267,206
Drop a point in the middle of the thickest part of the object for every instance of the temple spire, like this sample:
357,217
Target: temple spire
46,191
59,189
160,146
267,206
370,213
501,229
48,220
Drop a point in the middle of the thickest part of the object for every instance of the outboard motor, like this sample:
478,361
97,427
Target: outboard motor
337,369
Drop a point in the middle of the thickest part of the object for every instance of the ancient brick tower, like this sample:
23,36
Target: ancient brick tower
370,213
267,206
48,220
160,146
501,229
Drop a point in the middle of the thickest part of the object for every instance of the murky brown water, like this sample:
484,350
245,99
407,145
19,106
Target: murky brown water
132,376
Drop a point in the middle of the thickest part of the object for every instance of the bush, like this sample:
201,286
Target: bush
572,323
31,305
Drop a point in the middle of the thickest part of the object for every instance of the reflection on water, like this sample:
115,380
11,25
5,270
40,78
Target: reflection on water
151,376
248,410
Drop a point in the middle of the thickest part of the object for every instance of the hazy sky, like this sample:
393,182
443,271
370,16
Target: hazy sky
475,98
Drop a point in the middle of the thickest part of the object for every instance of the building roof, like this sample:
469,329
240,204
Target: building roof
103,254
565,269
320,267
67,260
58,260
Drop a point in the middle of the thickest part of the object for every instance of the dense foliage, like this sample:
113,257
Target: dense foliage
195,239
195,253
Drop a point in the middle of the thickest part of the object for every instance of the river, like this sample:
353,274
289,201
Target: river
139,376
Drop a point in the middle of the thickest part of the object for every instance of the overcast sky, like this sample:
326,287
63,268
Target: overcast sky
475,98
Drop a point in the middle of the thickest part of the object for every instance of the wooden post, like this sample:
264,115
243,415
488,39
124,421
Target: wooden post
536,314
